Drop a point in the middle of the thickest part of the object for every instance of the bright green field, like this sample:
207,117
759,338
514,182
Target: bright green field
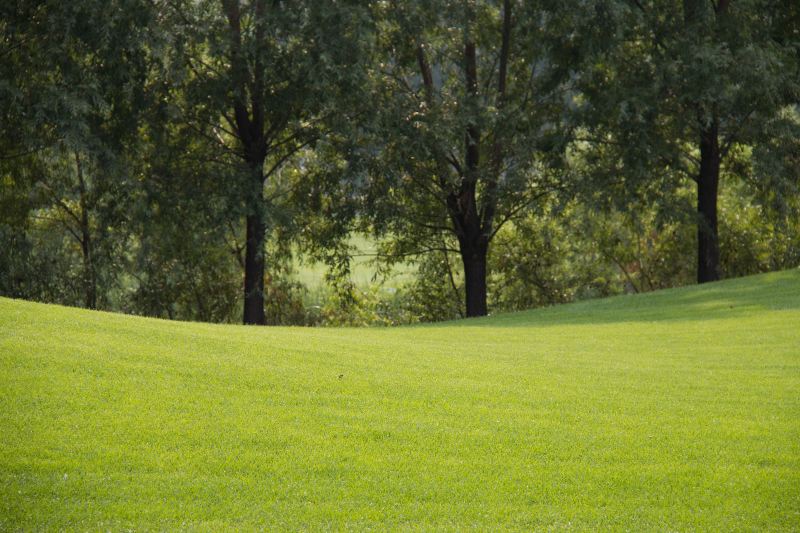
677,410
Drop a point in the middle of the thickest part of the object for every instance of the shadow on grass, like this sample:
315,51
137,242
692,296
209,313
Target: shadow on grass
724,299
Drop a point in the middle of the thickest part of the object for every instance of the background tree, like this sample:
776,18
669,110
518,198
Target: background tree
153,151
469,103
71,93
678,89
259,81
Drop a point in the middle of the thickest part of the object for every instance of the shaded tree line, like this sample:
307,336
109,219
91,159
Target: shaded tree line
179,158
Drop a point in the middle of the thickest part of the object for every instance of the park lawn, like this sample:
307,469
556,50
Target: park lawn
676,410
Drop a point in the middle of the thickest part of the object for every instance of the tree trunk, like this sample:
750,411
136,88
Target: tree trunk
89,276
254,259
474,259
472,245
708,268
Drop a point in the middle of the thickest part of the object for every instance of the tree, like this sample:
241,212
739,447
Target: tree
73,80
469,105
678,88
260,79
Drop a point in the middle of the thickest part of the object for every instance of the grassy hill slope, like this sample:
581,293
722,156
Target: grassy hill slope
673,410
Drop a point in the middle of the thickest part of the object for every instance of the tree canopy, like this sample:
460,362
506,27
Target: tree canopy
188,159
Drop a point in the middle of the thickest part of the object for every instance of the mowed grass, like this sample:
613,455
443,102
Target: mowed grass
677,410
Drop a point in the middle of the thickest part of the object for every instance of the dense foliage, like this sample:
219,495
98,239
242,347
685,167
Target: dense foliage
197,159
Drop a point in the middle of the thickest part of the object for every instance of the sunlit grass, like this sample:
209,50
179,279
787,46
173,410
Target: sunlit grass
677,410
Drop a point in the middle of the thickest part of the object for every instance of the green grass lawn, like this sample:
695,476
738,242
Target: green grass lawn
677,410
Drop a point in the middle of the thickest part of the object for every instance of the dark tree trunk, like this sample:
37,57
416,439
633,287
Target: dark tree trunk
89,276
250,131
475,280
463,208
708,268
254,262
